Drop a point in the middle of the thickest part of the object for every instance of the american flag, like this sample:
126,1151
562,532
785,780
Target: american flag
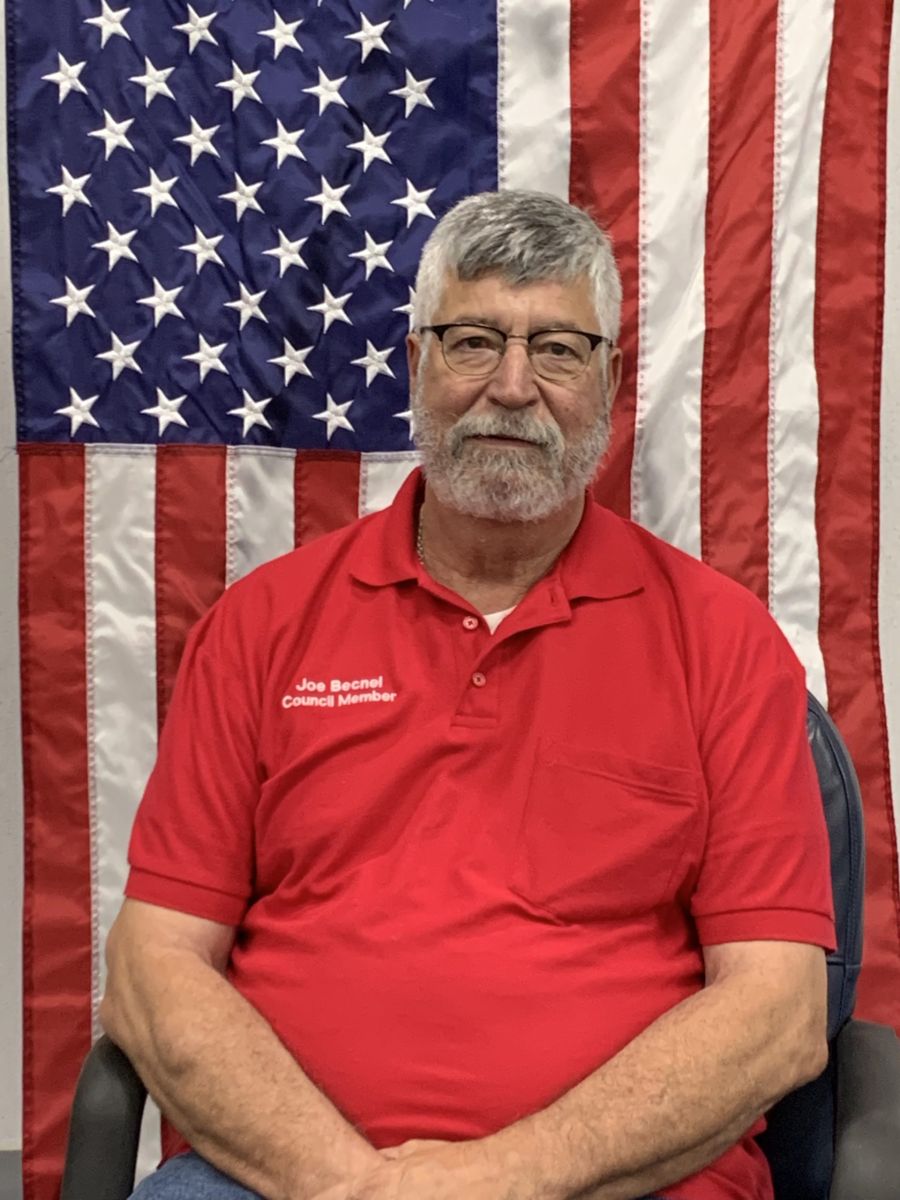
217,209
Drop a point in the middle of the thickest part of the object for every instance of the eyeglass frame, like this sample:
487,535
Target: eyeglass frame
595,340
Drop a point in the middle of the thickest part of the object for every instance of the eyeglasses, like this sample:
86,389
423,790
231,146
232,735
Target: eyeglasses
559,355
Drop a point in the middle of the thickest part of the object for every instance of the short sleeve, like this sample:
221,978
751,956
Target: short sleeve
765,872
192,842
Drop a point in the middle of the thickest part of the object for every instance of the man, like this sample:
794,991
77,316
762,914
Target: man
484,857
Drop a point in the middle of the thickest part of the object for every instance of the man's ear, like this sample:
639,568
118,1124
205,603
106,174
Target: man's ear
613,374
413,355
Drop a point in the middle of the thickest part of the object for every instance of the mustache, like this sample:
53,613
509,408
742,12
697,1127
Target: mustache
510,425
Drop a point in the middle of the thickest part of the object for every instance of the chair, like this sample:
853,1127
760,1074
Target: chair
837,1138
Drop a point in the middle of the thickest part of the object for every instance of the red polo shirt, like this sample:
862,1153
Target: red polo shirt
467,868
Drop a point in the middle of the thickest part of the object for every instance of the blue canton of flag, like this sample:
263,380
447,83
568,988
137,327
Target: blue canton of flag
220,209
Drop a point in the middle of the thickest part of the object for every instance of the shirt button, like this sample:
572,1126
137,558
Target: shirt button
470,622
478,679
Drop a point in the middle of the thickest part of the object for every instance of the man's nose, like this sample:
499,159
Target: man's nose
514,384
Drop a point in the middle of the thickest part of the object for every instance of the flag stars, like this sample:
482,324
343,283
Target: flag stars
328,91
408,310
374,255
332,308
166,411
240,85
207,357
375,362
287,253
414,92
66,78
113,134
117,245
252,412
71,190
163,302
371,147
158,191
75,301
369,37
109,22
282,34
293,361
329,199
285,143
204,248
243,196
196,29
78,411
153,81
121,355
415,203
335,416
200,140
247,305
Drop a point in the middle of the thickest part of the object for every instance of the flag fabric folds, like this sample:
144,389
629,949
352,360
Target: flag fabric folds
217,210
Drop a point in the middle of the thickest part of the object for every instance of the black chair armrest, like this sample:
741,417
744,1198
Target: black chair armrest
105,1127
867,1117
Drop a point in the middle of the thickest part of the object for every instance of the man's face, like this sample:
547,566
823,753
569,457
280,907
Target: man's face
511,446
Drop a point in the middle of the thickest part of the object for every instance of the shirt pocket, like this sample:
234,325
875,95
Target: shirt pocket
602,835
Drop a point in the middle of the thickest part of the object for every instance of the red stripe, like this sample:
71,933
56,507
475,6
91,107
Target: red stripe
326,492
57,967
605,81
190,550
734,508
849,304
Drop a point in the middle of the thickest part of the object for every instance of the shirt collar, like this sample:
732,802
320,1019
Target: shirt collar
600,560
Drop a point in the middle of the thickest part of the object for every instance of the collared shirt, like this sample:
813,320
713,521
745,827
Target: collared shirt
466,869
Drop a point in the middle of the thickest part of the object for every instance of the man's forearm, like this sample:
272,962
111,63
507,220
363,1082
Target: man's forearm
672,1101
219,1072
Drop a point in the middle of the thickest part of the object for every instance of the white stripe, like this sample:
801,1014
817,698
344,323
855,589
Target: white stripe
804,49
120,497
533,106
260,507
381,477
889,567
674,173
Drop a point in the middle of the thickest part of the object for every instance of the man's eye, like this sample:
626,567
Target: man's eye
557,349
474,342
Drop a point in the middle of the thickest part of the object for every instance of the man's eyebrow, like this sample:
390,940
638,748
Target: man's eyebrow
492,323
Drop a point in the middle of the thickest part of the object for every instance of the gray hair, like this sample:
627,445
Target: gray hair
526,237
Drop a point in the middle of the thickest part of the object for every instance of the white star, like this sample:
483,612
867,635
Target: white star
415,92
75,301
71,190
248,305
332,308
374,255
335,416
166,411
415,203
113,134
157,191
330,199
287,253
200,140
204,248
240,85
285,143
375,362
371,146
252,412
282,34
121,355
117,245
243,196
197,29
408,418
408,309
369,37
163,302
328,91
110,23
207,357
153,81
79,411
293,361
66,78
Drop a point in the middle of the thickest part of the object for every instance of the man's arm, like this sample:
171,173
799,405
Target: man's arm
214,1065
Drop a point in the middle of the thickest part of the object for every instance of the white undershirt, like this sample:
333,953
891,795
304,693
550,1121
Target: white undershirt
494,619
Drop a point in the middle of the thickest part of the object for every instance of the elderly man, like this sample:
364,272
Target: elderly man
484,857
